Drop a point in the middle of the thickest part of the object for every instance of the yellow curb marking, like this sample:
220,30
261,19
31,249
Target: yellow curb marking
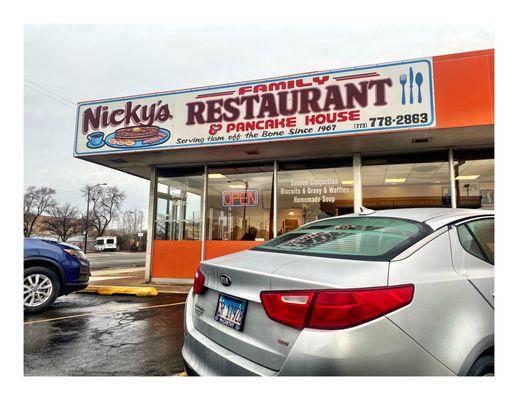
104,312
109,290
181,374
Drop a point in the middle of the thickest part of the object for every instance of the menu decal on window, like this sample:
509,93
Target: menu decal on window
314,190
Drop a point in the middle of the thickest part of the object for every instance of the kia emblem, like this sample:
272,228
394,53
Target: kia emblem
225,279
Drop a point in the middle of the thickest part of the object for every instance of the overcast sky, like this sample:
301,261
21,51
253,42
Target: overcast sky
84,62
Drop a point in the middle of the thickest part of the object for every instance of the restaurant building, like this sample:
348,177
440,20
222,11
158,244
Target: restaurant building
233,165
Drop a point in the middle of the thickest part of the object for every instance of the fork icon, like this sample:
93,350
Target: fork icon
402,80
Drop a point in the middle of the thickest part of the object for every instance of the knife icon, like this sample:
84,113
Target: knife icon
411,85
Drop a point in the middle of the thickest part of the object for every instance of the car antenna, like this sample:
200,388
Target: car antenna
366,211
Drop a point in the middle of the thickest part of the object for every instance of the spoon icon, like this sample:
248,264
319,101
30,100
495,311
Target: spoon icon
419,82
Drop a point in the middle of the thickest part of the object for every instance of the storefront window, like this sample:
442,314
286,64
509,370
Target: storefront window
179,204
312,190
474,179
240,203
420,180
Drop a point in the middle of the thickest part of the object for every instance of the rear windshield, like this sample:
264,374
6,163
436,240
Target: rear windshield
368,238
109,241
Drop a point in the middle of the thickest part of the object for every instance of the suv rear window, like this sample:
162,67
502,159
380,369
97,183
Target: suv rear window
363,238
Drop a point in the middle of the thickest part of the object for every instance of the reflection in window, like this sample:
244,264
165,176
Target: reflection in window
308,191
406,181
474,179
240,203
484,231
179,205
468,242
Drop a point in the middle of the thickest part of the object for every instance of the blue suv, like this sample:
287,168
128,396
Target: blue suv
51,269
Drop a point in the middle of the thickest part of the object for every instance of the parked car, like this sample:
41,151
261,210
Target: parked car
51,269
106,243
393,292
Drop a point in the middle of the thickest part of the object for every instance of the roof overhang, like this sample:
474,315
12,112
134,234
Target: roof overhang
140,163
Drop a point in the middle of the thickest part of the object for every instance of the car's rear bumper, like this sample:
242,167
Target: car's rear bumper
374,349
207,358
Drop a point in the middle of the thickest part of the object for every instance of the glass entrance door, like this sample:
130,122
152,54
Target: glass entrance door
179,206
178,223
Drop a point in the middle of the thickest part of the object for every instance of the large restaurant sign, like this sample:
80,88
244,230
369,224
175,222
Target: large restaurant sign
340,102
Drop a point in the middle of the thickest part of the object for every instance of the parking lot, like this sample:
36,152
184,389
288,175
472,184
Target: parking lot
116,259
87,334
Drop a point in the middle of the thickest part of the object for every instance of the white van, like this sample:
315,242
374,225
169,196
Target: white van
106,243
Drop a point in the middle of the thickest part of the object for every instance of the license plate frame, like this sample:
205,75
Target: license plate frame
239,305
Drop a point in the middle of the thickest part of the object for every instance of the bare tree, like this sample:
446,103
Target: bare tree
36,201
132,221
64,221
105,203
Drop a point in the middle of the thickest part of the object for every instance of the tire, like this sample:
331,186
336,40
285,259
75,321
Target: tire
40,287
484,366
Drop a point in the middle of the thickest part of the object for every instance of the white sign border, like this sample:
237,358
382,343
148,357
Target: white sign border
349,132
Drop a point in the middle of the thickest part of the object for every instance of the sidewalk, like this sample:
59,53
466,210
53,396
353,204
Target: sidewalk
134,277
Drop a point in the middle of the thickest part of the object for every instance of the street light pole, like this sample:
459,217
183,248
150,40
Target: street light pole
88,213
85,236
244,208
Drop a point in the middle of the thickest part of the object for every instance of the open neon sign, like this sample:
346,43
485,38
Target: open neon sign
240,198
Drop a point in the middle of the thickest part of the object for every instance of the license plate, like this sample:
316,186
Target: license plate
231,311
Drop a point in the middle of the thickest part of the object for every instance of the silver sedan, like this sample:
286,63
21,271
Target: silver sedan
394,292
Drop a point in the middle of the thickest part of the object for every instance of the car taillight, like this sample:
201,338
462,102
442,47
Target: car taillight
334,309
199,281
289,308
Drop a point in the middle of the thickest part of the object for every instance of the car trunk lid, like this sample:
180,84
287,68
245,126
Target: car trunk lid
263,340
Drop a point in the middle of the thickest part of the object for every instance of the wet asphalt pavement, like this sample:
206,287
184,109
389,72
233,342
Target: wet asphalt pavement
89,334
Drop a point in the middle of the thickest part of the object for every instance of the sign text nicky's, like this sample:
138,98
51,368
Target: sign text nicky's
131,113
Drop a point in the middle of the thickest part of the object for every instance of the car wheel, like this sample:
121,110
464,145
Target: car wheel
40,289
484,366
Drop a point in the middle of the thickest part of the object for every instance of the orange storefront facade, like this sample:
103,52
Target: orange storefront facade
234,165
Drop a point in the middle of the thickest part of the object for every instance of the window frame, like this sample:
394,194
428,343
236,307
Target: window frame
175,172
477,242
225,169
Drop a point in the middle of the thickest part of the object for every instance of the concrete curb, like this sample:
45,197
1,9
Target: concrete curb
109,290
